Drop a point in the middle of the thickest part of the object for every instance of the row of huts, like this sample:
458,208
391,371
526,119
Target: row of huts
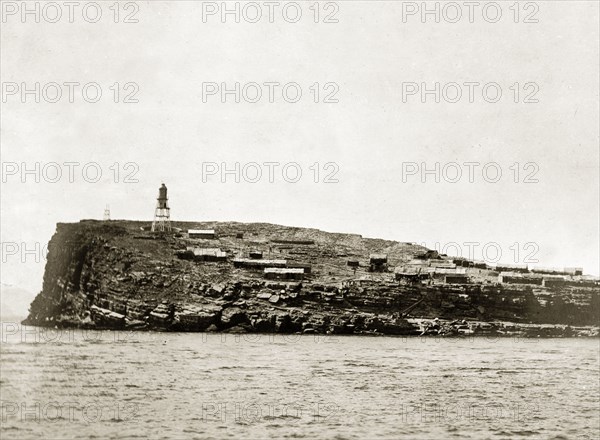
546,279
429,265
273,269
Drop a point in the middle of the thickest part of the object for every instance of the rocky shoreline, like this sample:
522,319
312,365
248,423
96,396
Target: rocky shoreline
416,328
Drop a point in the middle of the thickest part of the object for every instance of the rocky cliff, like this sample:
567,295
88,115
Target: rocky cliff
117,274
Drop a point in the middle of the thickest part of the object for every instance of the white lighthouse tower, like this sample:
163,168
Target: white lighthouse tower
162,215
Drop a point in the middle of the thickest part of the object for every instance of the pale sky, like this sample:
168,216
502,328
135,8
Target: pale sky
368,134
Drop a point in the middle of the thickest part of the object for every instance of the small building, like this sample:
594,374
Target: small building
306,267
574,271
440,274
247,263
429,255
447,270
239,235
353,263
547,270
456,279
418,263
519,278
411,276
284,274
442,264
462,262
208,254
378,262
255,255
293,241
478,264
558,282
432,264
201,233
378,259
502,267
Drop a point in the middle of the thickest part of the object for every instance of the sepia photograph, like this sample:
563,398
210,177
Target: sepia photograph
309,219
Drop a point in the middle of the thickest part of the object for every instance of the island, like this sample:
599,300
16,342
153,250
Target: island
266,278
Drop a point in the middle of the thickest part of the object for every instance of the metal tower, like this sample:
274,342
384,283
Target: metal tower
162,215
107,213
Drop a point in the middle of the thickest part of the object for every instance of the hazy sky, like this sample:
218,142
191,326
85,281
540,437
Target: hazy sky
369,55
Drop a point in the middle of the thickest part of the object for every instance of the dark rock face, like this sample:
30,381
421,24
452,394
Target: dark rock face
233,316
195,318
107,275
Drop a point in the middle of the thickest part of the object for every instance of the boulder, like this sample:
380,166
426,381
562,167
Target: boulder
237,329
195,318
390,326
107,318
216,289
285,323
135,324
263,325
160,317
233,316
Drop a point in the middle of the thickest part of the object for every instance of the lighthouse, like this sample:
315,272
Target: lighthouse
162,216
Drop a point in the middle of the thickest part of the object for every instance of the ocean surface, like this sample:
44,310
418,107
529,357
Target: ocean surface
63,384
